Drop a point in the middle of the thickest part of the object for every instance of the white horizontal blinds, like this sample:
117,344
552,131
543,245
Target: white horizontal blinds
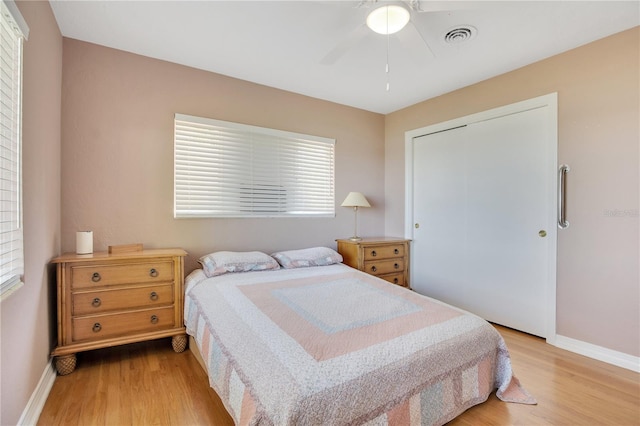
11,251
225,169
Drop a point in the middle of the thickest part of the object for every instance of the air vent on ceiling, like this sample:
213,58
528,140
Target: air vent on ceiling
461,34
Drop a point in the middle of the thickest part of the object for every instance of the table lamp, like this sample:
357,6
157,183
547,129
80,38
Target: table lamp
355,200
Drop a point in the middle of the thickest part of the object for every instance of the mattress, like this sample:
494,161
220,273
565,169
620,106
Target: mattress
332,345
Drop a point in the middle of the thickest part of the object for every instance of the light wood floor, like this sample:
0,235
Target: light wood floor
149,384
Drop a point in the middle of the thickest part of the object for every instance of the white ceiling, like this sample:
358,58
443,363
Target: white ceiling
284,44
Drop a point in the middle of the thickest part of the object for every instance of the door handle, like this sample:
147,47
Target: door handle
562,196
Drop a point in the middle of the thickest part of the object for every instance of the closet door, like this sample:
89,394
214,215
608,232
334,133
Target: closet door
483,235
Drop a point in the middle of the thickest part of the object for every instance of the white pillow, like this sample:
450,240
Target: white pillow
315,256
221,262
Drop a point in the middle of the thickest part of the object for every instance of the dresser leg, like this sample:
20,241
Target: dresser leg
65,364
179,343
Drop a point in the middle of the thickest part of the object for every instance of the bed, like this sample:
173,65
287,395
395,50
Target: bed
320,343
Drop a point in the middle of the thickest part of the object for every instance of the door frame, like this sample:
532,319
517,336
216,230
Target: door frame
549,101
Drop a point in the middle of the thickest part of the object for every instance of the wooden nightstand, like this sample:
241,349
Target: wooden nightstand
113,299
385,257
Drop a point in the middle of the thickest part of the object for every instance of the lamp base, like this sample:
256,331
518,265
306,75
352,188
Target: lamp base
355,239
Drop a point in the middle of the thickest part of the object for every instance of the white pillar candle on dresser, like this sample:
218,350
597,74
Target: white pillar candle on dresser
84,242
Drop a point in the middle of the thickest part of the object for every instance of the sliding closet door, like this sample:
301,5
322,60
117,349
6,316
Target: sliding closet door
482,224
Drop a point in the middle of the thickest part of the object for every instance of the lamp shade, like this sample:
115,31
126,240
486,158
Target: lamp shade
355,199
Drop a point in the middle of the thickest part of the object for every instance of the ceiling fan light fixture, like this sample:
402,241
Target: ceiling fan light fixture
388,19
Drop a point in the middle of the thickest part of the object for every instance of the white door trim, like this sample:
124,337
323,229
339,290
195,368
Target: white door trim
551,102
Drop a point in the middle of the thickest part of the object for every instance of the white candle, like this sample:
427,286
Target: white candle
84,242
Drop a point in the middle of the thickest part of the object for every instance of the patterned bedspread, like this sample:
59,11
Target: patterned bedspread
331,345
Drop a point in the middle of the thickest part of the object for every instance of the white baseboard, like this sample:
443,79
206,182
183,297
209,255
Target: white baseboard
609,356
34,407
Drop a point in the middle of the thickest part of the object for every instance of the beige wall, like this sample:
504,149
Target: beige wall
117,158
598,284
28,316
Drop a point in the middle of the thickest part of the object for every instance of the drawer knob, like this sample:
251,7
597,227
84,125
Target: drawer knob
96,302
153,296
374,269
153,272
96,327
96,277
154,319
396,251
373,253
395,280
395,265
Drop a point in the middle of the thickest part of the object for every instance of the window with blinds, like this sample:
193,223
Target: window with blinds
224,169
13,30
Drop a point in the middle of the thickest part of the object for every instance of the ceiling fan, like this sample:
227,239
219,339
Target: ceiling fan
386,17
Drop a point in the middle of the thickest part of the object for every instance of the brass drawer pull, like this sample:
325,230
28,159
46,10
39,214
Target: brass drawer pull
96,277
96,302
396,251
395,280
153,272
373,253
96,327
154,319
153,296
374,269
395,265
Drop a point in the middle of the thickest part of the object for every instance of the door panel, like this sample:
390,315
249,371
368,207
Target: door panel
481,197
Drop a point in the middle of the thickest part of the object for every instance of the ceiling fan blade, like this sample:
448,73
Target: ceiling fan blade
412,26
353,38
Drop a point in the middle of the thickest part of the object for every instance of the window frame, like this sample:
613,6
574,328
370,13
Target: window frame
231,170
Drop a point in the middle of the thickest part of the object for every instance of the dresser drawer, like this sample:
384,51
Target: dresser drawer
107,275
97,327
384,266
94,302
383,252
397,278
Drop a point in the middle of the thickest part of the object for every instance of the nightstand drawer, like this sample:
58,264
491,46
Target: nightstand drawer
94,302
383,252
397,278
384,266
118,297
103,326
385,257
107,275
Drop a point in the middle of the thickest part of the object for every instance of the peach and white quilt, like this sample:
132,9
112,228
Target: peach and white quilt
331,345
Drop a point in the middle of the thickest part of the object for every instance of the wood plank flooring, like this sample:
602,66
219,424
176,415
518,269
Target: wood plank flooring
143,383
149,384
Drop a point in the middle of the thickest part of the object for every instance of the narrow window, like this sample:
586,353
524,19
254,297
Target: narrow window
13,30
224,169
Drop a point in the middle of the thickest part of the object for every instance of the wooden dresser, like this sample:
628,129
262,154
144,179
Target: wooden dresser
385,257
112,299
